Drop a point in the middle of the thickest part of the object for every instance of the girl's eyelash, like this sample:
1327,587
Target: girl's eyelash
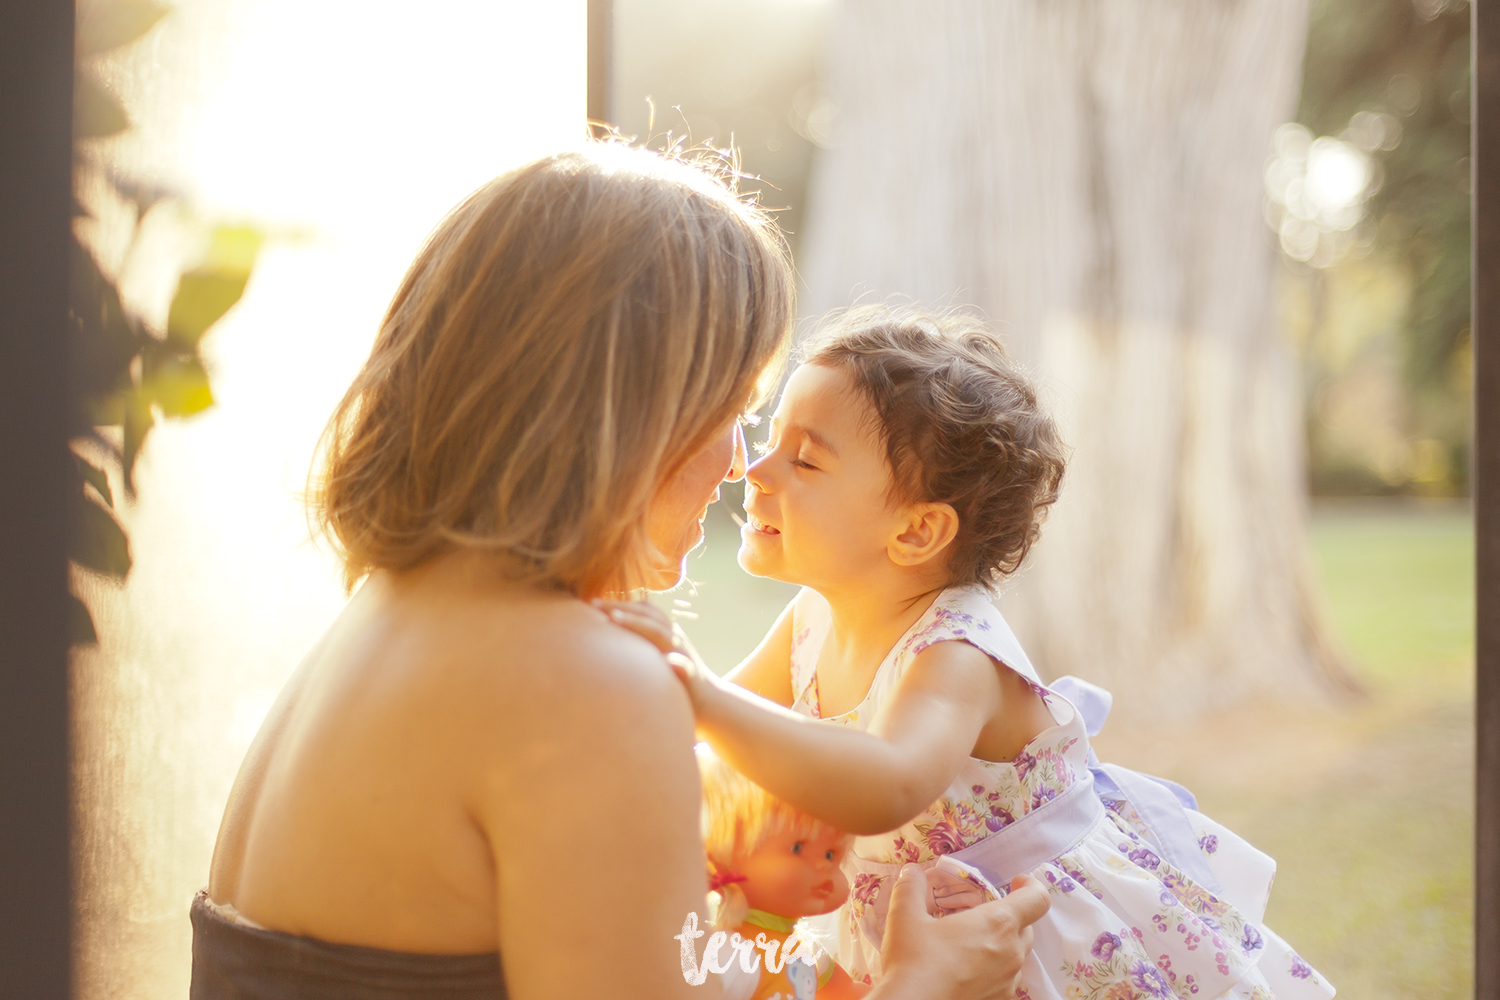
803,465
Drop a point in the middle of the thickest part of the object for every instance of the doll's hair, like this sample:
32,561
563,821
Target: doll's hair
738,816
961,425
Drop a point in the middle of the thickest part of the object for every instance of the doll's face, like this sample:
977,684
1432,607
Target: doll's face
794,874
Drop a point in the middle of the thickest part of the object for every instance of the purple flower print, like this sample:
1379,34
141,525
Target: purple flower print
977,789
942,838
1043,794
1209,843
1144,858
1024,763
1105,945
1150,980
1300,969
1063,884
1252,941
906,851
866,888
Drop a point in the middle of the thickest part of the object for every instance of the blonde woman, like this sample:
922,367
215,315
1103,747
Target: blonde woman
475,785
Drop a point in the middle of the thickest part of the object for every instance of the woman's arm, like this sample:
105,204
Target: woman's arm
591,807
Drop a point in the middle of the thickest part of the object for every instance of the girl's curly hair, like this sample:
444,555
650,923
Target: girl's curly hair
961,425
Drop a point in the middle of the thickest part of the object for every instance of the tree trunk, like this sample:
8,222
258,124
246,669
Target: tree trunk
1088,174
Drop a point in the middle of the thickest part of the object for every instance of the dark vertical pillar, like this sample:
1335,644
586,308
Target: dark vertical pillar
36,99
601,61
1486,327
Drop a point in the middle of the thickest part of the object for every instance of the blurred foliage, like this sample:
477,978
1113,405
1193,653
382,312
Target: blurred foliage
124,373
717,71
1408,59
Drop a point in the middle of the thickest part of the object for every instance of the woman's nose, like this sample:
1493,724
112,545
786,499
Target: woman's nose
741,457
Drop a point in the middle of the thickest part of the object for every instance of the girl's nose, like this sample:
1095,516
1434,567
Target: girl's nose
755,474
741,456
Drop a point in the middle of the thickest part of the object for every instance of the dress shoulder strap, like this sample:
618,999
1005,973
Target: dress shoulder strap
968,614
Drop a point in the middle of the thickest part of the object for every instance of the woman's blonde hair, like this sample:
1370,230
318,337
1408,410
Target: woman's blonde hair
738,816
568,337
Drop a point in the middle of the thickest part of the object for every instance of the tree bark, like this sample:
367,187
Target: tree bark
1088,175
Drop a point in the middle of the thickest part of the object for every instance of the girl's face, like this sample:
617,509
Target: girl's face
676,520
795,875
817,501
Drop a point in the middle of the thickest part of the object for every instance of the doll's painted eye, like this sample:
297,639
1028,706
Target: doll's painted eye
797,847
828,854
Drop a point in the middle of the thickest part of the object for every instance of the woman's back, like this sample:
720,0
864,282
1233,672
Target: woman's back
365,810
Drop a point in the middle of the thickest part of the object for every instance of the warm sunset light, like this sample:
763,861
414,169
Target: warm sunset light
343,132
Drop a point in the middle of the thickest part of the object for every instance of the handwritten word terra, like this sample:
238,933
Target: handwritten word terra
796,949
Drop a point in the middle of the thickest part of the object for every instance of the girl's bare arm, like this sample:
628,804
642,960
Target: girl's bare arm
864,782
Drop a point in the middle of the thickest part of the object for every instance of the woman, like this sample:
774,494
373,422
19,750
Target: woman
472,756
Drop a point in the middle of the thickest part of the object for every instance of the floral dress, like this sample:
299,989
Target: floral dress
1127,919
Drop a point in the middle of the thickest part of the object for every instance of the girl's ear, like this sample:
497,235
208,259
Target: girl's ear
930,528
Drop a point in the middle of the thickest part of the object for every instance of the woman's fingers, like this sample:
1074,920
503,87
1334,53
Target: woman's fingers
959,899
1029,899
977,954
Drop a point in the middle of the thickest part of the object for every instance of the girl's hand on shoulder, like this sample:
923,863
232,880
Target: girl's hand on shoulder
652,624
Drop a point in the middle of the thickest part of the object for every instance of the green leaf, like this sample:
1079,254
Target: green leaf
99,543
96,112
109,24
103,341
95,477
233,249
137,421
203,296
80,624
178,385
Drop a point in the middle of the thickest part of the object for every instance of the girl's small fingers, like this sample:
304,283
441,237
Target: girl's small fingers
647,629
681,666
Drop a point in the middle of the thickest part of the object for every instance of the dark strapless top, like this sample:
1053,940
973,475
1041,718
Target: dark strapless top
233,961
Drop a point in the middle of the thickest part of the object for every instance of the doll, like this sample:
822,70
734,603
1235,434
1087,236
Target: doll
770,865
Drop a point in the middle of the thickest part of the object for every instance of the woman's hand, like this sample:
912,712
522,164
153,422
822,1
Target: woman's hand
977,954
652,624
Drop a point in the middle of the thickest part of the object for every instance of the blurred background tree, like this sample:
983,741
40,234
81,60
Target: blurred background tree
1366,809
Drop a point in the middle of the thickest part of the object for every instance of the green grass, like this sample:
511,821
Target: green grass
1367,809
1400,582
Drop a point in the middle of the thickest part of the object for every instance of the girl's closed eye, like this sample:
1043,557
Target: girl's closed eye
802,463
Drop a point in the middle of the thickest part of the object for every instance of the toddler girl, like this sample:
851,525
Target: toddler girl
907,471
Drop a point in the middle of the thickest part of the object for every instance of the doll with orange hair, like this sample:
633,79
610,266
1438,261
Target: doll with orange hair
770,865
